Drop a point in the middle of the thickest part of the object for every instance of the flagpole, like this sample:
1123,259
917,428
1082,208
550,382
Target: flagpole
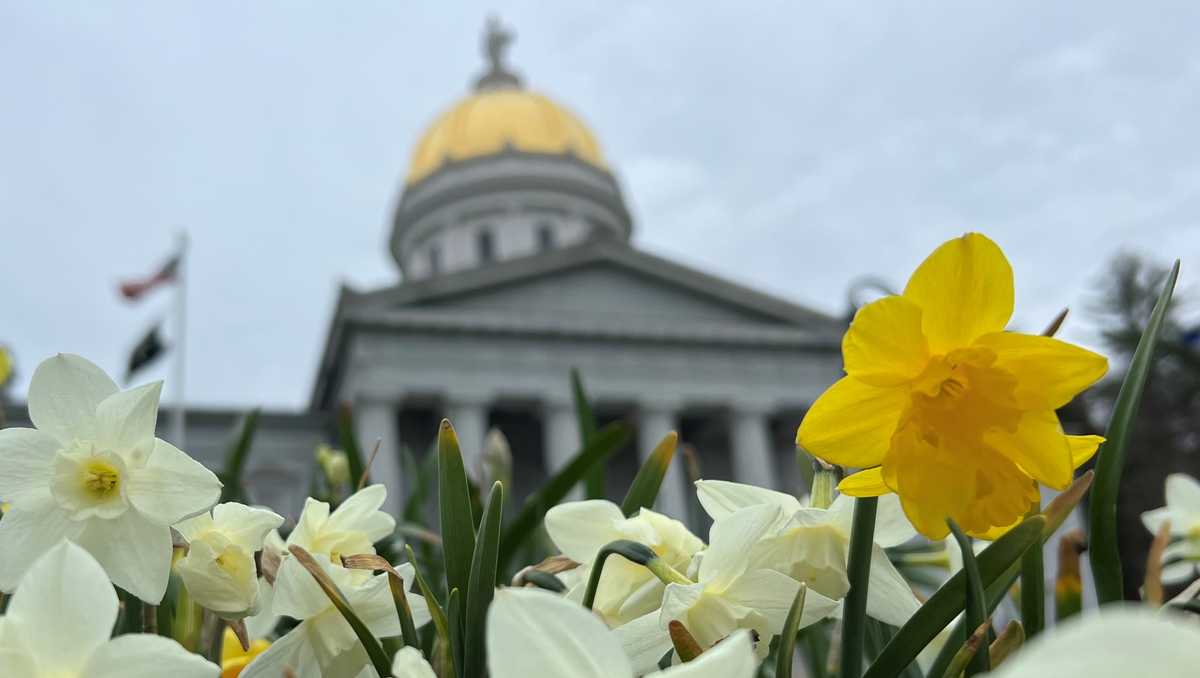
180,423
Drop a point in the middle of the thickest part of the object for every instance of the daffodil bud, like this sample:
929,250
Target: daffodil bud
218,570
825,480
334,464
497,458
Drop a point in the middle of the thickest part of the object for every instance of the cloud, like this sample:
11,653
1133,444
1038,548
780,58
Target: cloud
792,147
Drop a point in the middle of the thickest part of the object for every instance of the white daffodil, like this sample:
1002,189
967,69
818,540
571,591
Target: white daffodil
1183,510
93,472
1113,642
60,619
324,645
218,569
812,544
408,663
353,527
732,591
627,591
535,634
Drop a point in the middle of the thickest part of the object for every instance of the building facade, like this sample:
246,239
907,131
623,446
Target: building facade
514,241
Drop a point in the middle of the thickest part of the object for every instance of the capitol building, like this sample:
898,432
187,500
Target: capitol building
514,241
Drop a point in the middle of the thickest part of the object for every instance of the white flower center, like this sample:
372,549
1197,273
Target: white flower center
89,483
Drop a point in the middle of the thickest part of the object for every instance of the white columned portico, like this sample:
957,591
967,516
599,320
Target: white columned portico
560,430
753,462
655,420
376,421
468,414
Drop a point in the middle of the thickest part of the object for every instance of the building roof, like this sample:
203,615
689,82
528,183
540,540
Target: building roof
516,297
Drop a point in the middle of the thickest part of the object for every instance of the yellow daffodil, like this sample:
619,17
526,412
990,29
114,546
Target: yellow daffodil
6,366
946,409
234,658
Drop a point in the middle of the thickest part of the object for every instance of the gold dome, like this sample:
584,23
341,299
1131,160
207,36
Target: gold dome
488,121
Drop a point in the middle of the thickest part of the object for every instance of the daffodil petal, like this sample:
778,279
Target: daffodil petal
1038,446
147,656
292,651
865,483
581,528
27,533
68,606
172,486
1083,448
852,423
889,597
360,512
63,396
26,463
720,498
1049,372
644,641
730,658
994,533
410,663
536,634
885,345
1115,643
1178,572
126,420
891,525
732,540
1183,493
964,290
245,524
134,551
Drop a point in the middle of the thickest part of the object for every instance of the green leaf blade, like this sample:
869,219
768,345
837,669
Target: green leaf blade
607,441
975,615
1110,459
944,605
643,491
454,503
482,584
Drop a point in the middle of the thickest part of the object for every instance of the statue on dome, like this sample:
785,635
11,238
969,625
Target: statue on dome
496,41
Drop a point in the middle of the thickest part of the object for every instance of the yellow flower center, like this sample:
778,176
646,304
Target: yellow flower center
100,479
961,395
89,482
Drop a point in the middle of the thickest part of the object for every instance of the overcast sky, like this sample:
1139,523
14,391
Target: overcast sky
793,147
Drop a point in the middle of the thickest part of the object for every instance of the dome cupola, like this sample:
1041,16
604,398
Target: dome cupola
503,173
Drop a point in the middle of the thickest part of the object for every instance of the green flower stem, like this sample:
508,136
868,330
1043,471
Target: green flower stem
634,553
862,541
975,614
1033,589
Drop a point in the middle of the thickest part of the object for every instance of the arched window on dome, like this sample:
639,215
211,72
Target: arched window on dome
486,244
435,260
545,236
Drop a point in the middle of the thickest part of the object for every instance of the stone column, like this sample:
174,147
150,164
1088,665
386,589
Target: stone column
560,430
376,420
655,420
468,415
753,463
